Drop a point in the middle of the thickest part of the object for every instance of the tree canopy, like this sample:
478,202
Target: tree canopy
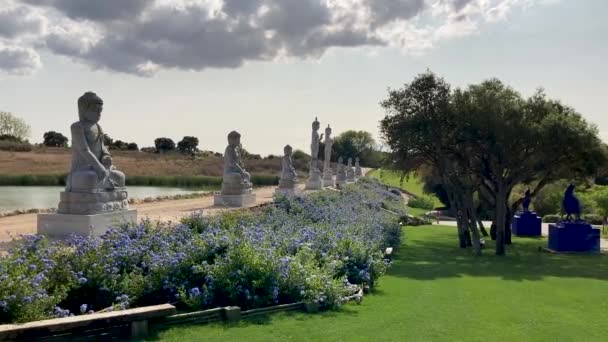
484,140
55,139
188,145
11,125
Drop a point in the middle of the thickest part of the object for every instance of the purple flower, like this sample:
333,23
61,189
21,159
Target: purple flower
195,292
83,308
32,267
82,280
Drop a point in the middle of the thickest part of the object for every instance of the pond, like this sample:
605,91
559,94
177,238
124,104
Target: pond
41,197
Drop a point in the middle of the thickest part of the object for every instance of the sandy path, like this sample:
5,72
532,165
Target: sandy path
172,210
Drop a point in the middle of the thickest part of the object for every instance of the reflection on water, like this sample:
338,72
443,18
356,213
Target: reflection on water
41,197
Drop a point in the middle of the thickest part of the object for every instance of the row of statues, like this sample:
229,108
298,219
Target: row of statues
95,193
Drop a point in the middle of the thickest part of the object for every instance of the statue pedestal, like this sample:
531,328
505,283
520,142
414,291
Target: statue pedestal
286,191
91,203
63,225
328,182
245,200
526,224
574,237
314,184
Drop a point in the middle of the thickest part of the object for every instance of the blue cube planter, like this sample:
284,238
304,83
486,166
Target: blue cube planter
574,237
526,224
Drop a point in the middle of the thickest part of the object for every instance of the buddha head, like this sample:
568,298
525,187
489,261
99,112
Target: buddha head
328,131
234,139
287,150
89,107
316,125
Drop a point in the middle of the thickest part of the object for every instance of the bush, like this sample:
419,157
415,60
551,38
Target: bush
594,219
421,202
13,146
318,248
552,218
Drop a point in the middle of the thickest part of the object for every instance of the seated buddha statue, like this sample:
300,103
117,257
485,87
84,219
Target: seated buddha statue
92,169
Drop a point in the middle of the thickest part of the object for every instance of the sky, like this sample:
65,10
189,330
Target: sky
267,68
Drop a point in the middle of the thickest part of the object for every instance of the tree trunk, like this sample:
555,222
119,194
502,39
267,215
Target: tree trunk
501,212
483,230
472,222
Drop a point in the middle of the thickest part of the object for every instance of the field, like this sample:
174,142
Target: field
438,292
49,161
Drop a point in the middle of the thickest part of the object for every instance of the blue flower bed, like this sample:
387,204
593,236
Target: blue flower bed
315,248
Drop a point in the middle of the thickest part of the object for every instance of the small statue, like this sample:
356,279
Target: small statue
340,173
314,144
237,180
288,174
572,206
358,171
327,174
92,169
527,200
350,171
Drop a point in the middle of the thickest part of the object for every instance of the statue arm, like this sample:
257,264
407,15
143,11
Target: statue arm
234,162
80,146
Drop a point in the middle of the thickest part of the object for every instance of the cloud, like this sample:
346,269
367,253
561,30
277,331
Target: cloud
16,21
18,60
142,37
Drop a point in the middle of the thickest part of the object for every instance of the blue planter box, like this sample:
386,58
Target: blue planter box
526,224
574,237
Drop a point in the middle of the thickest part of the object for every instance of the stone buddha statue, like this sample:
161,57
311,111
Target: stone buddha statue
92,169
237,181
288,174
94,185
314,145
350,171
358,171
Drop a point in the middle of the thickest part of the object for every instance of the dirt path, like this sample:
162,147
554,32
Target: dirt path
172,210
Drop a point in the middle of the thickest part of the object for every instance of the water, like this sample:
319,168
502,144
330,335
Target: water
41,197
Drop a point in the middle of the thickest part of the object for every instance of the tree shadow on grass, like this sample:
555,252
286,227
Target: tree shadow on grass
265,319
433,253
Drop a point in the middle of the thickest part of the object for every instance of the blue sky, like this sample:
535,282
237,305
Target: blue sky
333,59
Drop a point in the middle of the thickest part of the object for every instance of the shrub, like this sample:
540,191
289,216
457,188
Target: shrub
316,248
421,202
15,146
594,219
551,218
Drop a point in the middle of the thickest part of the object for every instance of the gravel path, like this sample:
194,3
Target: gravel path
171,210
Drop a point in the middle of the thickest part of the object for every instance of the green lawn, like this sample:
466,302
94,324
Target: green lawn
438,292
416,211
412,183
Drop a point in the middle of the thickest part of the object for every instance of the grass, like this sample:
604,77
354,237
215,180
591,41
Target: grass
412,183
417,212
438,292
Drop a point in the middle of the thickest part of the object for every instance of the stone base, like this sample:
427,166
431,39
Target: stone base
92,203
314,184
574,237
526,224
63,225
286,191
245,200
329,183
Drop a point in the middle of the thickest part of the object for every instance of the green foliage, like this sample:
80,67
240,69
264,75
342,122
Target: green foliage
552,218
13,146
430,292
188,145
410,183
594,219
422,202
13,126
54,139
352,144
164,144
